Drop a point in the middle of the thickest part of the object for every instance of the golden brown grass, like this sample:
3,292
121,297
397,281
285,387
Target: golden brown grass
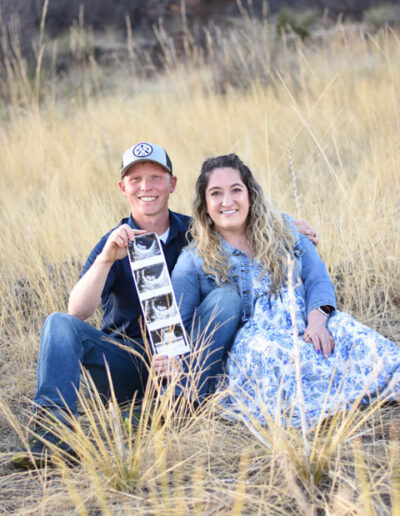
336,101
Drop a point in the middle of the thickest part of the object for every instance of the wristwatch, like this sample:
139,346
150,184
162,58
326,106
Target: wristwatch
325,310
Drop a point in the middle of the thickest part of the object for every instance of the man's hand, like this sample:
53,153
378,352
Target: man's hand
116,246
317,333
164,366
86,294
306,229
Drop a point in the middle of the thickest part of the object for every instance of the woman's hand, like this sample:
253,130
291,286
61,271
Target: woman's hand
317,333
164,366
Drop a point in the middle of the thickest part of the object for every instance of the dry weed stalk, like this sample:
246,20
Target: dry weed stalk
300,396
294,180
363,479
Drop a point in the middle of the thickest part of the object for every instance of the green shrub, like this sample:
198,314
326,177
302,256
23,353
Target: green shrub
387,14
299,22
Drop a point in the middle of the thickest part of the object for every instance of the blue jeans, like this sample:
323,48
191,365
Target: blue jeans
66,343
212,330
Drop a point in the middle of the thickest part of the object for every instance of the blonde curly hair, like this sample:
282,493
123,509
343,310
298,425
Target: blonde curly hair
267,231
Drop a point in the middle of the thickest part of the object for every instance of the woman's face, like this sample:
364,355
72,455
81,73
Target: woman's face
227,200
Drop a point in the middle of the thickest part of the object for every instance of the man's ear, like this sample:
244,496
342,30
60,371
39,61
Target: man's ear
121,185
173,181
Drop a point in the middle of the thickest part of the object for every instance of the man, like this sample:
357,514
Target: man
67,341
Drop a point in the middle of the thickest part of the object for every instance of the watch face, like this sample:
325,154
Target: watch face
326,309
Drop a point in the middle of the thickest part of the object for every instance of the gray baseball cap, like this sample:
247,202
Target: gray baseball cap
145,151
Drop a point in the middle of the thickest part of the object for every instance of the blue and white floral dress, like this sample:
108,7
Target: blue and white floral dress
261,366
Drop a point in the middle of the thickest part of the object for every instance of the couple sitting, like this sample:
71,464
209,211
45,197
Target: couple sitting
231,286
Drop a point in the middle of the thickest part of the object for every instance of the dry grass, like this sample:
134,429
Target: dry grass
336,102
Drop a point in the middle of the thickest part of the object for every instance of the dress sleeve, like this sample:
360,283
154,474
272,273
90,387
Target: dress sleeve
186,285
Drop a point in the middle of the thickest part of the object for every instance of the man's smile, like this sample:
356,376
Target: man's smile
148,199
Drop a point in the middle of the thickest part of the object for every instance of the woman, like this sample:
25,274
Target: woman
240,239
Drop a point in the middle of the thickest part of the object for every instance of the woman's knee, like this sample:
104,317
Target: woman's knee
228,302
225,302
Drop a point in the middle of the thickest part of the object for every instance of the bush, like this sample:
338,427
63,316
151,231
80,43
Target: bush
299,22
388,14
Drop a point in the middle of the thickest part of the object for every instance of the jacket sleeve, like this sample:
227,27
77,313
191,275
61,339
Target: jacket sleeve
319,289
186,285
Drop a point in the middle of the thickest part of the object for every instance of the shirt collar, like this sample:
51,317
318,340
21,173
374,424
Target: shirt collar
176,225
132,223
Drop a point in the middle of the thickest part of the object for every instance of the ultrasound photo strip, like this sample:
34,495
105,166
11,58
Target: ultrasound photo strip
153,284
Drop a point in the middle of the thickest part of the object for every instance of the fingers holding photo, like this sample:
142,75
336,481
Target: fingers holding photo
116,246
125,233
165,366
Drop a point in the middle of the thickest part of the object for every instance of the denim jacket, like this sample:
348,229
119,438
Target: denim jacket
191,284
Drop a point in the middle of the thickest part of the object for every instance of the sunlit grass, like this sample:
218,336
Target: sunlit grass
336,102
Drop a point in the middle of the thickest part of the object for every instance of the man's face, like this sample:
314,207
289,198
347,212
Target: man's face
147,186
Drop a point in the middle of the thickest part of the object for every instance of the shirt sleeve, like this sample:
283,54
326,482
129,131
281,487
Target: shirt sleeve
186,286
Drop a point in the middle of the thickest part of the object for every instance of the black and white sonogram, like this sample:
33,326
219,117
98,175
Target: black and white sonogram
143,247
168,334
169,337
152,277
159,308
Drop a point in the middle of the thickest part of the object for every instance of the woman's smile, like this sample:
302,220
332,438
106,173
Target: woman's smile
228,212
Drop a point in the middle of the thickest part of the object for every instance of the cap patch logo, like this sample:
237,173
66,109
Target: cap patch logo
142,150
